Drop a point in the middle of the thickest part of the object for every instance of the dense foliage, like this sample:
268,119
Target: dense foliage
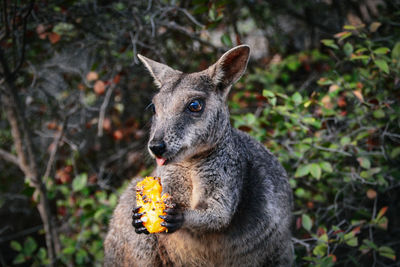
322,94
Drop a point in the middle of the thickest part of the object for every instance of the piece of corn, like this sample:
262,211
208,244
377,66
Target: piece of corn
148,196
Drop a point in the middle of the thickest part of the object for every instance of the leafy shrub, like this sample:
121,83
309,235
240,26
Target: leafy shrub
337,136
84,212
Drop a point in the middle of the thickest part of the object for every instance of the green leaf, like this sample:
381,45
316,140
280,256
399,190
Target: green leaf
345,140
69,250
81,256
343,35
226,40
395,152
387,252
326,166
324,238
361,50
212,13
273,101
62,28
379,114
329,43
302,170
382,65
306,222
297,98
320,250
42,254
349,27
251,119
350,239
99,214
315,170
19,259
353,57
396,51
374,26
370,244
29,246
348,49
16,246
300,192
79,182
113,200
267,93
381,50
364,162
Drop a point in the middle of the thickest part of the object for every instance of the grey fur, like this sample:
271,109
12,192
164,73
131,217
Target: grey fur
234,195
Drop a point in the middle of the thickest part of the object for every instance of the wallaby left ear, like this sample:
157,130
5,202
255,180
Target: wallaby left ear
160,72
230,67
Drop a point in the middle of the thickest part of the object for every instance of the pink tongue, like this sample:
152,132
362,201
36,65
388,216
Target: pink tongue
160,161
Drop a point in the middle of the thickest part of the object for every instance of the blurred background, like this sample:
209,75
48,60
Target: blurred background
321,91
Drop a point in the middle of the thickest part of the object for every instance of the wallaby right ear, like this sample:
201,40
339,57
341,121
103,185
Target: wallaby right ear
230,67
159,71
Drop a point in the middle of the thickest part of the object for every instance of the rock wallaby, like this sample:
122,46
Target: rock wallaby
233,200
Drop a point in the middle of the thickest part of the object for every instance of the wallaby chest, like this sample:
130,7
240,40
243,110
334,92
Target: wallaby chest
179,181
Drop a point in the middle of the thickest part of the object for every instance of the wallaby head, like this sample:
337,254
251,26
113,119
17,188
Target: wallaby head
190,110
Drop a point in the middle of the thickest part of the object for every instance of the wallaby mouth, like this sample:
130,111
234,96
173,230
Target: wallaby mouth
160,161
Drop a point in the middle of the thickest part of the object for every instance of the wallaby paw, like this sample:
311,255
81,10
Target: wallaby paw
173,219
137,222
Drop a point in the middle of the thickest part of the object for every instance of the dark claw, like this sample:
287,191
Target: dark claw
170,218
171,227
173,219
137,215
137,222
142,230
172,211
136,210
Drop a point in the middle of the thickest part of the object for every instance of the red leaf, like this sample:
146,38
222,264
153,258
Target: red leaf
298,223
342,102
99,87
320,231
356,230
333,257
117,78
118,135
54,37
382,212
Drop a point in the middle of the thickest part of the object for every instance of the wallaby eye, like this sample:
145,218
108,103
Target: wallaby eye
152,107
196,105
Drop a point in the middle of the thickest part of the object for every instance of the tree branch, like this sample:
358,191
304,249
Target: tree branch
9,157
24,147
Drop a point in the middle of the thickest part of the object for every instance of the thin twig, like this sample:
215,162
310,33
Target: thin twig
332,150
173,26
191,18
301,242
103,109
53,152
134,48
25,19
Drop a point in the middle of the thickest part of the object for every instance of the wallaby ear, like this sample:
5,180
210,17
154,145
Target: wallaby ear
230,67
159,71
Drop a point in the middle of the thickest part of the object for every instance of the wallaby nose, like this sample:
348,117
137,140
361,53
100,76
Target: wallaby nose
158,148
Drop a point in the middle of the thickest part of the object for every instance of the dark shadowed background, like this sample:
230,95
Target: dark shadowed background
322,92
